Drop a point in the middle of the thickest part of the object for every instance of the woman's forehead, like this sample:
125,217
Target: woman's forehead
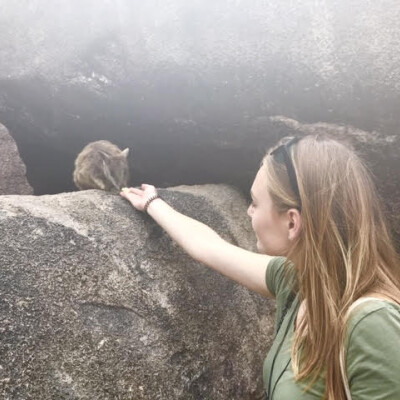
260,182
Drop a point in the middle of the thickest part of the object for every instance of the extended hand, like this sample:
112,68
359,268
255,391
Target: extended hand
138,197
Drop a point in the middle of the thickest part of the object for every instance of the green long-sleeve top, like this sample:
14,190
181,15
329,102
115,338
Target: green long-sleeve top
372,348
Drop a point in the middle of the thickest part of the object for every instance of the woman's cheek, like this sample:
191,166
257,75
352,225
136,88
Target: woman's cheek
254,224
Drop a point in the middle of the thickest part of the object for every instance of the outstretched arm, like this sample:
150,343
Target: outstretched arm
202,243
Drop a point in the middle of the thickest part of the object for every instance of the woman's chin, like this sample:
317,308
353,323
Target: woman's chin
260,247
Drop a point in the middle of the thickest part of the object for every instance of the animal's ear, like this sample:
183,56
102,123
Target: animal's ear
125,152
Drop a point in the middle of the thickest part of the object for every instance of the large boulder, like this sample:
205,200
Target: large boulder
12,169
186,84
96,302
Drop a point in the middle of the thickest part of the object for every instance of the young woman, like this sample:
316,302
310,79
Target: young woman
328,259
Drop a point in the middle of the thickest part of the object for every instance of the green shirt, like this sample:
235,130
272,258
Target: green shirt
372,347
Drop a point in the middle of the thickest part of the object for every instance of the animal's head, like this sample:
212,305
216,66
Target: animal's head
102,165
116,169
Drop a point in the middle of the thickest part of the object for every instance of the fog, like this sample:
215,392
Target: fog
190,87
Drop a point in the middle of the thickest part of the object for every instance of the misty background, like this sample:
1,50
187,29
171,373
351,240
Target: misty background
190,86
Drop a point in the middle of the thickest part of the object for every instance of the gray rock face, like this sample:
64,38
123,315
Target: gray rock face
12,169
190,82
96,302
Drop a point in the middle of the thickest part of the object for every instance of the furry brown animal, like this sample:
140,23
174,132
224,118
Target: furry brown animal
101,165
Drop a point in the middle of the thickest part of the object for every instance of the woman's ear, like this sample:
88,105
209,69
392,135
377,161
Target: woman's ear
294,223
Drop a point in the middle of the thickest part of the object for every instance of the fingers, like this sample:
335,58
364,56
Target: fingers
123,194
135,191
147,187
138,196
127,193
145,190
131,190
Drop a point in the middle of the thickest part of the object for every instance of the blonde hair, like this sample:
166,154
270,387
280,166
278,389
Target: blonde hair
343,252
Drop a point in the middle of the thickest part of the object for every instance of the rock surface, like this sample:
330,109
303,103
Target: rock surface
189,85
12,169
96,302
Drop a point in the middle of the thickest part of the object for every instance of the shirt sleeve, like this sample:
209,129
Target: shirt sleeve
373,356
276,277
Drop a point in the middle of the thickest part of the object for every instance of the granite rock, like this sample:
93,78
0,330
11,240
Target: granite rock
96,302
12,168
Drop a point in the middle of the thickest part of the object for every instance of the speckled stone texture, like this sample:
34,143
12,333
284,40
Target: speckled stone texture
12,169
96,302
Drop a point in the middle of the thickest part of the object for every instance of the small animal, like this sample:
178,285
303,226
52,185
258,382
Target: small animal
101,165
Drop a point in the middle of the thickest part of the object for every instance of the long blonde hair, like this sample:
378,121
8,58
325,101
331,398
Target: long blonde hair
344,250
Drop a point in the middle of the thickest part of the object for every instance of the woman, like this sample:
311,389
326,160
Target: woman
313,203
